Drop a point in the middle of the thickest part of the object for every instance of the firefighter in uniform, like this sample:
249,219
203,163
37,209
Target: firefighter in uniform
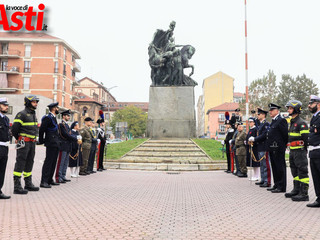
298,144
314,147
25,130
4,142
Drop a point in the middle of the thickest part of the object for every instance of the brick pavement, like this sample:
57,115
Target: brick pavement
119,204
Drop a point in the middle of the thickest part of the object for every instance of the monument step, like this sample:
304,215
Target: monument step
167,145
167,154
165,167
178,160
171,141
159,149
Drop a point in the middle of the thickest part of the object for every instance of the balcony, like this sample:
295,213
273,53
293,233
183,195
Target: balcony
10,69
10,54
56,70
76,67
27,70
9,87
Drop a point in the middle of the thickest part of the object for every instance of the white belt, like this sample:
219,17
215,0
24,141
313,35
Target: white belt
4,144
314,147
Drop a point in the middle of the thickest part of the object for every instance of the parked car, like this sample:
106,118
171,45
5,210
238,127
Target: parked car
116,140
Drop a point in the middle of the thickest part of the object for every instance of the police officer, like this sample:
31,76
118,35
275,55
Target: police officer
298,144
276,144
25,130
4,142
261,147
230,132
49,135
314,147
66,141
101,135
237,117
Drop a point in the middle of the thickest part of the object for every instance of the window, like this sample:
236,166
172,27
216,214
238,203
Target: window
62,104
55,86
92,92
222,127
63,85
221,117
64,70
27,51
4,65
72,57
27,66
56,68
70,101
107,116
64,54
71,87
26,83
55,97
84,111
56,53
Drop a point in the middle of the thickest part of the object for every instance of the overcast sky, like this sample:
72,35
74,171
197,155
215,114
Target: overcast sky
112,38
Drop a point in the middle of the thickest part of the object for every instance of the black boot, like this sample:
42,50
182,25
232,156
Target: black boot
17,186
29,185
303,194
295,190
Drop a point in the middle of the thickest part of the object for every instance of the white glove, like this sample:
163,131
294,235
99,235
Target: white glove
98,140
230,141
251,139
245,142
79,137
222,142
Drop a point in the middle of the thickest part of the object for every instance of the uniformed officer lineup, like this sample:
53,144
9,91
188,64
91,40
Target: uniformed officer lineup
265,145
66,146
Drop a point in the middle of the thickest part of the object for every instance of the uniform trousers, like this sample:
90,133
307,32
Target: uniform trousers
101,154
85,158
315,170
279,169
3,164
49,164
25,160
264,168
242,163
63,165
228,157
92,156
299,165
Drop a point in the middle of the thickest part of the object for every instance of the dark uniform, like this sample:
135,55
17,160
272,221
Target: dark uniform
4,143
263,155
228,138
87,139
66,141
251,158
49,128
101,135
314,150
276,144
298,144
25,130
93,150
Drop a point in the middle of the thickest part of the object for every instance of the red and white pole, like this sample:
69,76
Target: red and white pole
246,64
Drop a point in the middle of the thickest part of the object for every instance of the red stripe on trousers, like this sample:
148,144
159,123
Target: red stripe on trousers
268,168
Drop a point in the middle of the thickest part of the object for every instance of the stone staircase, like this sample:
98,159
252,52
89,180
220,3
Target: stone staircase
167,155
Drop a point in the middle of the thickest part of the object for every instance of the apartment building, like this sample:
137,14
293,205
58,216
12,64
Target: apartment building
40,64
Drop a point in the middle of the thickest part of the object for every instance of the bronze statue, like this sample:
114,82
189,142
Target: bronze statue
167,60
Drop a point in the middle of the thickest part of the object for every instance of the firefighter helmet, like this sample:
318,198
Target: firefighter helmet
296,105
30,98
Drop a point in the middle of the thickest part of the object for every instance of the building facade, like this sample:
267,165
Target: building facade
217,89
216,118
40,64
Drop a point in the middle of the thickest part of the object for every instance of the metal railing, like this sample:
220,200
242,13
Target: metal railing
77,67
27,53
11,52
10,69
27,70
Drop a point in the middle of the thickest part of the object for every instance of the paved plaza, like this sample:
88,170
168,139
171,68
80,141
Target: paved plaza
124,204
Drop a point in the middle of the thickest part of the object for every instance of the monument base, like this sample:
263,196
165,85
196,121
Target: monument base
171,112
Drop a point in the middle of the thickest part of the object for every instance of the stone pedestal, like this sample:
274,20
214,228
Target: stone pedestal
171,112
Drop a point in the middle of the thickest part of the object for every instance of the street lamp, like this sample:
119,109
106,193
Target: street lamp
108,90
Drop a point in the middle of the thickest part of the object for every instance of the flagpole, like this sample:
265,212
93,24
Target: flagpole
246,65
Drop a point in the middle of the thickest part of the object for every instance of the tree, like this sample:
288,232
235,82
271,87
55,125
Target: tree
135,117
299,88
262,91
